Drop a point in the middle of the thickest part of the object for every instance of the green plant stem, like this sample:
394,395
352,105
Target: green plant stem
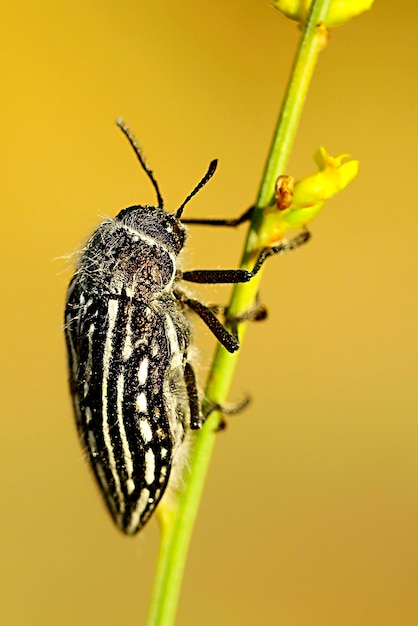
177,521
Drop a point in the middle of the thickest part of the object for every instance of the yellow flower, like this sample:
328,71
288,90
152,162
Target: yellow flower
339,12
309,195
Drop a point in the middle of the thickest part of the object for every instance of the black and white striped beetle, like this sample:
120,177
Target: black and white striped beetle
133,387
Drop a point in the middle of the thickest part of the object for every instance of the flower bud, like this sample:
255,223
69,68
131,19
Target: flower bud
309,195
339,12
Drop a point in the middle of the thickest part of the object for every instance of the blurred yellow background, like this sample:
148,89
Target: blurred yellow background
309,513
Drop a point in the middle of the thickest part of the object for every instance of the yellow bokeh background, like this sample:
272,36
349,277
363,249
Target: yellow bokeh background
309,513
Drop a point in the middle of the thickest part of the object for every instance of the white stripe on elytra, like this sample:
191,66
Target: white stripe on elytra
89,361
74,356
130,485
127,346
107,353
88,414
139,509
149,466
145,429
171,333
141,403
143,371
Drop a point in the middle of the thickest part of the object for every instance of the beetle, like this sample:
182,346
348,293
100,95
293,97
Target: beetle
133,386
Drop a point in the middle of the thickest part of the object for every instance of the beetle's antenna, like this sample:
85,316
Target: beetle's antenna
131,138
211,170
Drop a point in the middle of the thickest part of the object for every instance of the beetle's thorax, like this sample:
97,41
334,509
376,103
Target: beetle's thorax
155,223
133,254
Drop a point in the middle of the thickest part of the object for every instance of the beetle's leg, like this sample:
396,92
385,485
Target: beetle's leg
229,341
198,417
244,276
245,217
190,380
257,313
225,410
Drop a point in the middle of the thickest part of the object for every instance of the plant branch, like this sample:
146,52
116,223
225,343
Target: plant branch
177,519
